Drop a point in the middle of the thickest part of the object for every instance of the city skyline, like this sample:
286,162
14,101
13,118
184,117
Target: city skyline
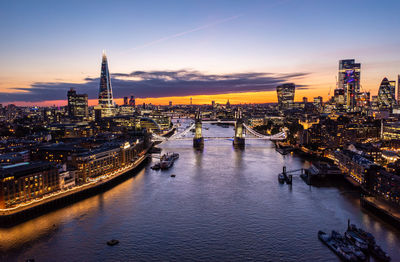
230,40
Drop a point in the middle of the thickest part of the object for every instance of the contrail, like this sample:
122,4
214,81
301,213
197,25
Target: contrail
165,38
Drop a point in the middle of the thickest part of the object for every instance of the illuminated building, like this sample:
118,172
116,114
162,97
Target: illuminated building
26,181
339,97
398,89
77,104
106,159
106,101
374,103
349,81
285,94
132,101
386,94
362,100
391,130
318,101
360,169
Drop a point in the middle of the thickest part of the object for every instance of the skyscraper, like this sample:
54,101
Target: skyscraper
349,81
132,101
386,94
105,92
77,104
398,89
285,94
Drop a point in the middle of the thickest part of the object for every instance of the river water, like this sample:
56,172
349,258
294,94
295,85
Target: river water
223,205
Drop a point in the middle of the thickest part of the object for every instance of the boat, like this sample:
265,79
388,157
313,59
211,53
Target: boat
167,160
281,178
156,166
338,246
112,242
165,164
356,240
374,249
173,175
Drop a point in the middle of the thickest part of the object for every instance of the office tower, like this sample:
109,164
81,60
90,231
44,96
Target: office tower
125,100
398,89
105,92
362,100
386,94
318,101
349,81
170,103
213,104
191,101
339,97
285,94
228,104
305,100
132,101
77,104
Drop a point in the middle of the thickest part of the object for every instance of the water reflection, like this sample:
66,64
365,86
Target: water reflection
223,205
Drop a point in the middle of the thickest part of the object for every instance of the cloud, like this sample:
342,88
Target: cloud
146,84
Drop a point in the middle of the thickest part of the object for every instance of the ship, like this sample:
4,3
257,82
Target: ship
342,249
167,160
373,248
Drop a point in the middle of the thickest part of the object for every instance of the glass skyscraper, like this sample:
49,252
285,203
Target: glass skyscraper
386,94
285,94
349,81
105,92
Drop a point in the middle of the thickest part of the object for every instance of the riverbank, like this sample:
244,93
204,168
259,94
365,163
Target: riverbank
382,209
14,216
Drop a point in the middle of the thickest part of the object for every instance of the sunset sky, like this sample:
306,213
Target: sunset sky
209,50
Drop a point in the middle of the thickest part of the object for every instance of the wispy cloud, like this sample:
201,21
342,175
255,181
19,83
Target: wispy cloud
169,37
146,84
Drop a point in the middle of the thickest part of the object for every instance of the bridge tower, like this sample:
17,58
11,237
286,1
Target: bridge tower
238,141
198,140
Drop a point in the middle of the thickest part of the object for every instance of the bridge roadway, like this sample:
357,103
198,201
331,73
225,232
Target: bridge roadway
258,136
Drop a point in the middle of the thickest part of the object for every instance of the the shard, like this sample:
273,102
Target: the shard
105,92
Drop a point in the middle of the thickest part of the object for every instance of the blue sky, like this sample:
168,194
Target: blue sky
62,41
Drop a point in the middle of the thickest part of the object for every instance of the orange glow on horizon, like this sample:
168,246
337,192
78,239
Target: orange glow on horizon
234,98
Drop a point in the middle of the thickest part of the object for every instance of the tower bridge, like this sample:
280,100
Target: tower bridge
238,139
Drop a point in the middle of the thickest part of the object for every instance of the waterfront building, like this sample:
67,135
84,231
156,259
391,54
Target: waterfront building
26,181
386,94
77,104
106,101
387,186
106,159
360,170
285,94
349,81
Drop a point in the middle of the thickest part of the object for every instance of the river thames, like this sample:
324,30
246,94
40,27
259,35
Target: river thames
223,205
